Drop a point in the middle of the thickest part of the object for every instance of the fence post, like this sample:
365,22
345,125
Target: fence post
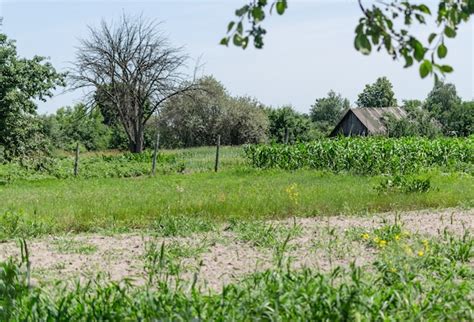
76,161
216,166
287,134
155,153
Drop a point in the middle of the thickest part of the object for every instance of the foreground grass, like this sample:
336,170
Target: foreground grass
412,278
179,204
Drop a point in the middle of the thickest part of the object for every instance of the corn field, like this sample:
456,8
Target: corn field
367,156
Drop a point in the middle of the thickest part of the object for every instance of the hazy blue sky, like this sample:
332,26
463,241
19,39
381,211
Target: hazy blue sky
308,51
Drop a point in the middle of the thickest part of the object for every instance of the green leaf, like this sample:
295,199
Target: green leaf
281,6
432,37
258,14
242,11
240,28
449,32
423,8
446,69
419,50
442,51
230,26
362,44
425,68
409,61
237,40
225,41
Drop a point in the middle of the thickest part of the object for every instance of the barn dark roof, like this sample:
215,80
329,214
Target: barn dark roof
373,117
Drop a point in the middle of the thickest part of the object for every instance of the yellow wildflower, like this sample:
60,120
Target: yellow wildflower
397,237
426,244
376,240
382,243
365,236
420,253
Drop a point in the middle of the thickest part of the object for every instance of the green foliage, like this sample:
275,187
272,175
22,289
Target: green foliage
418,122
69,126
406,184
446,107
22,82
460,120
411,279
365,155
18,225
286,119
385,25
327,111
195,119
379,94
443,98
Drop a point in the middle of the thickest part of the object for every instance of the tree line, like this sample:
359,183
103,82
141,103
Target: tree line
137,84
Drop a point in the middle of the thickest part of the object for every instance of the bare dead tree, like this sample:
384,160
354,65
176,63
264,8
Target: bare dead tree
135,69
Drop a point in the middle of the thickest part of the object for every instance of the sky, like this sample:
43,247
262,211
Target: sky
307,52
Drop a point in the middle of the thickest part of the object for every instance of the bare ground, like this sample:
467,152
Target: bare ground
222,257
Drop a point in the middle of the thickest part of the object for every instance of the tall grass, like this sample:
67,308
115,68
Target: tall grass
170,204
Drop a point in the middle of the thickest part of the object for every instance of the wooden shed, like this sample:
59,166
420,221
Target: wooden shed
366,121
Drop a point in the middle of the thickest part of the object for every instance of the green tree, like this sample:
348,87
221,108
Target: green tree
442,99
460,121
195,119
384,25
444,103
327,111
379,94
69,126
418,122
22,81
286,121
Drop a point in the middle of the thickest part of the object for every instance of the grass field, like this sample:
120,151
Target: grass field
329,259
59,206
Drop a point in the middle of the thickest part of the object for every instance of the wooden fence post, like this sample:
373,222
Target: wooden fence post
76,161
287,134
216,166
155,153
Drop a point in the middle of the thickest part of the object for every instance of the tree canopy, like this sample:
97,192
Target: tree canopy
383,26
378,94
197,118
134,67
22,81
327,111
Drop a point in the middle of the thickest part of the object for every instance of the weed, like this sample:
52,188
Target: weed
67,245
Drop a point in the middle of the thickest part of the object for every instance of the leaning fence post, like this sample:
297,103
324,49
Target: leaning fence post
155,153
216,166
76,161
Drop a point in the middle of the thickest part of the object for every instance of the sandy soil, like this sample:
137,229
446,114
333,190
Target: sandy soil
221,257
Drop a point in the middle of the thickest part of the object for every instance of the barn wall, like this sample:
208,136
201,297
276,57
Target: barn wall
350,125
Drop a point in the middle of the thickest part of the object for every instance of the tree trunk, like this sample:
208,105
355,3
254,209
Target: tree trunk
136,144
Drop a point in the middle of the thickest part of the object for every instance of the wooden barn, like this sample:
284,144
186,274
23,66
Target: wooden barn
366,121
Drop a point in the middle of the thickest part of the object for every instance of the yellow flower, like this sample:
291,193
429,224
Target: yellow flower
365,236
421,253
426,244
397,237
382,243
376,240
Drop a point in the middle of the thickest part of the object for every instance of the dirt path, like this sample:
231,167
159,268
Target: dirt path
227,255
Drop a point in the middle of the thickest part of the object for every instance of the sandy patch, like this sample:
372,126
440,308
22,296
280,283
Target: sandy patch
220,257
